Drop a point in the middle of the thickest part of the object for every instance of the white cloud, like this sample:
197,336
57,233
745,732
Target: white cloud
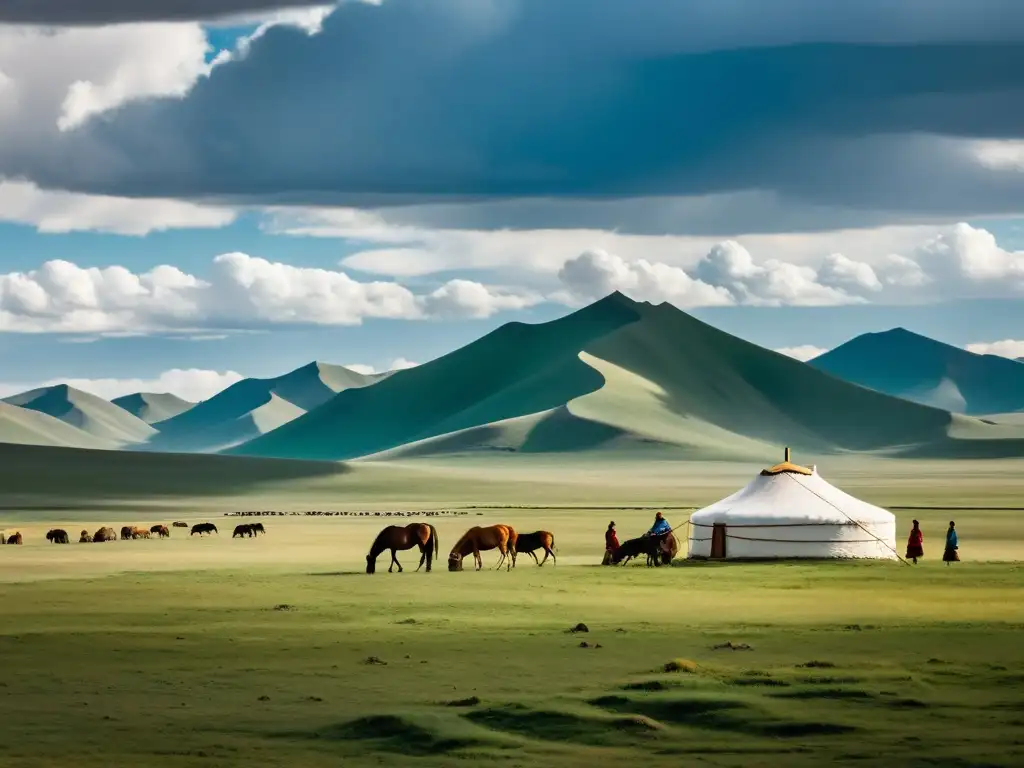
1010,348
964,252
594,274
803,352
398,364
53,211
240,290
193,384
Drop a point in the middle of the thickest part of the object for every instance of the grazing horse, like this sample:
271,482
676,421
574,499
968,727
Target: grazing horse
105,534
57,536
161,530
245,529
15,539
202,528
396,537
477,540
530,542
643,545
179,524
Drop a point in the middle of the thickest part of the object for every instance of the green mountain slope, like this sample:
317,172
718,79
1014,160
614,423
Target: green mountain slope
27,427
623,377
153,407
914,367
252,407
87,412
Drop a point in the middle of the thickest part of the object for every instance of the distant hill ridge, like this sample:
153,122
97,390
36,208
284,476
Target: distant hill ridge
914,367
621,376
153,407
91,414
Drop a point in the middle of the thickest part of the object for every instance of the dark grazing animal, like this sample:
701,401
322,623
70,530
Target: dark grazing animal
15,538
105,534
642,545
57,536
531,542
85,537
202,528
258,528
477,540
179,524
161,530
396,537
245,529
127,532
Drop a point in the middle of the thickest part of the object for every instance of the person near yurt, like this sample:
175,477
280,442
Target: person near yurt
951,553
789,511
915,543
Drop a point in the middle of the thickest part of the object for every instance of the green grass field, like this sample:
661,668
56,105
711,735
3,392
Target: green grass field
221,652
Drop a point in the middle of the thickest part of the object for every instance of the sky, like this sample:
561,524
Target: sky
200,190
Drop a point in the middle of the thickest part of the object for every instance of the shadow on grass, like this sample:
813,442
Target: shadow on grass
388,733
549,725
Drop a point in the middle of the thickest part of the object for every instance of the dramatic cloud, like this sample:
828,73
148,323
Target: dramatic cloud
804,352
240,292
24,203
1006,348
962,262
399,364
192,384
97,12
862,105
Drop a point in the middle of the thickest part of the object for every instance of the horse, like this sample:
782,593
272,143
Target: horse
258,528
477,540
105,534
396,537
244,529
161,530
529,542
642,545
15,538
202,528
140,533
57,536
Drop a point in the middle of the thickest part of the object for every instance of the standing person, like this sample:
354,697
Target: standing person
915,544
611,543
951,555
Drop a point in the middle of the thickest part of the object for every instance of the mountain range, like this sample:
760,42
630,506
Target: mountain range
617,378
917,368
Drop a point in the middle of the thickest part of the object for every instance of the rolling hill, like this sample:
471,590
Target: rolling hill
917,368
27,427
252,407
621,376
153,407
88,413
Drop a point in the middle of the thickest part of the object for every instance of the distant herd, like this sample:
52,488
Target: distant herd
132,532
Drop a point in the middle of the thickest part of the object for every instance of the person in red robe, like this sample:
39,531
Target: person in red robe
611,543
915,544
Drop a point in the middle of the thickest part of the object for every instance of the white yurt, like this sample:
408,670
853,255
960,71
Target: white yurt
789,511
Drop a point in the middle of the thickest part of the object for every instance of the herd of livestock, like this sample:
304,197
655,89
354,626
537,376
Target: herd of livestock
394,538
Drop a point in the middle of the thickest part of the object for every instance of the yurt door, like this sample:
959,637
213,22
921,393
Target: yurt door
718,541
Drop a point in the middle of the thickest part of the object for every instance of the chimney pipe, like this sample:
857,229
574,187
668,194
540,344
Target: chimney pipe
787,453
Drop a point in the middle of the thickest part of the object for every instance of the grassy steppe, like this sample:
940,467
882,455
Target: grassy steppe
222,652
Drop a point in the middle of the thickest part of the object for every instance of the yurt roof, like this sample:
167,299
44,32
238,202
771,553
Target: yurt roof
789,494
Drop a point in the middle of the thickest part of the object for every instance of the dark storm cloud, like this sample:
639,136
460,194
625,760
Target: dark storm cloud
852,104
96,12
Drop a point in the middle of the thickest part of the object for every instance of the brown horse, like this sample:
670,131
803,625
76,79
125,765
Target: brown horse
477,540
396,537
530,542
